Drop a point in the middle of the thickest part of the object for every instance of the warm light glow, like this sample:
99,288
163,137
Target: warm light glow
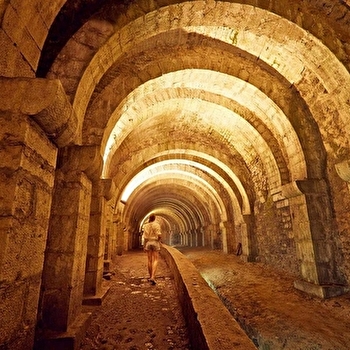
158,169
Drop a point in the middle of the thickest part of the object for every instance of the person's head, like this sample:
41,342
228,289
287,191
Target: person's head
152,217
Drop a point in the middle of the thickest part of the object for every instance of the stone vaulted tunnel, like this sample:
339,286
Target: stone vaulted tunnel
227,119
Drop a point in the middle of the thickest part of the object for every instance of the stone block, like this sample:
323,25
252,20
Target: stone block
45,101
20,35
106,265
69,339
32,19
48,11
96,205
320,291
96,299
8,187
302,231
95,227
22,253
58,271
91,263
25,146
308,272
55,304
12,62
43,200
59,241
11,309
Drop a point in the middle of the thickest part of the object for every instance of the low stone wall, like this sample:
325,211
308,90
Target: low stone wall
210,324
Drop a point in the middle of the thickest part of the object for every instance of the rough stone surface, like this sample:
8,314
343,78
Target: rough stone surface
272,312
229,118
26,180
135,314
261,299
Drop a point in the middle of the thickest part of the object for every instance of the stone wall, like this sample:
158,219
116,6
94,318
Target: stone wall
275,237
27,167
211,324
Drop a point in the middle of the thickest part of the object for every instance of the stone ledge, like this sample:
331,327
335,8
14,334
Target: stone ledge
107,265
321,291
96,299
212,325
69,340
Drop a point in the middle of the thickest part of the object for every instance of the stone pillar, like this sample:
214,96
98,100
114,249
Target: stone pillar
195,237
93,292
311,212
223,236
229,237
249,246
216,239
207,237
119,231
62,324
201,235
109,241
27,169
190,238
187,238
35,118
182,239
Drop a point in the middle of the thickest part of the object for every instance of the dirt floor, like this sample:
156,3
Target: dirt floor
271,311
136,315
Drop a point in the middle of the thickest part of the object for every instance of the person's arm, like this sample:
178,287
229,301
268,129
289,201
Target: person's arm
145,240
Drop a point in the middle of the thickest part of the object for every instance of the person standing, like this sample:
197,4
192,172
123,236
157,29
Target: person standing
152,237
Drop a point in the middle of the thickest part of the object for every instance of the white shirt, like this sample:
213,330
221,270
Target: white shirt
151,230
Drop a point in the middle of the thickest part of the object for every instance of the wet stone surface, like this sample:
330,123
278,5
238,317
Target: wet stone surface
135,314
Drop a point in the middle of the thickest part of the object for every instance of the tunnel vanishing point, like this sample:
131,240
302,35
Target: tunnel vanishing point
230,120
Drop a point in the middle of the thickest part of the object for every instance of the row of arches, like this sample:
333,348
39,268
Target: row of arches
227,119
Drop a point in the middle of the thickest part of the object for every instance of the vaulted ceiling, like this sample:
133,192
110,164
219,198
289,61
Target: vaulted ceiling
201,108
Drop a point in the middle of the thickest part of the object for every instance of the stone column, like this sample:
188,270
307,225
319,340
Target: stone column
109,241
187,238
311,212
27,169
207,237
195,237
190,238
224,229
119,231
215,237
201,234
62,323
249,246
182,239
93,292
229,237
35,118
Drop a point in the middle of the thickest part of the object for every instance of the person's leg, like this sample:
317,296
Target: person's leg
155,256
149,262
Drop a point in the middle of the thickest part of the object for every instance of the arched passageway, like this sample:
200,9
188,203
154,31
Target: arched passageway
229,120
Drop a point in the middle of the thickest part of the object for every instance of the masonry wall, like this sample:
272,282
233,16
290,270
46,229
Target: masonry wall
274,234
341,202
27,162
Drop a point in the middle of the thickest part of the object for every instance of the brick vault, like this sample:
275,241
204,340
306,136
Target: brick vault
229,120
